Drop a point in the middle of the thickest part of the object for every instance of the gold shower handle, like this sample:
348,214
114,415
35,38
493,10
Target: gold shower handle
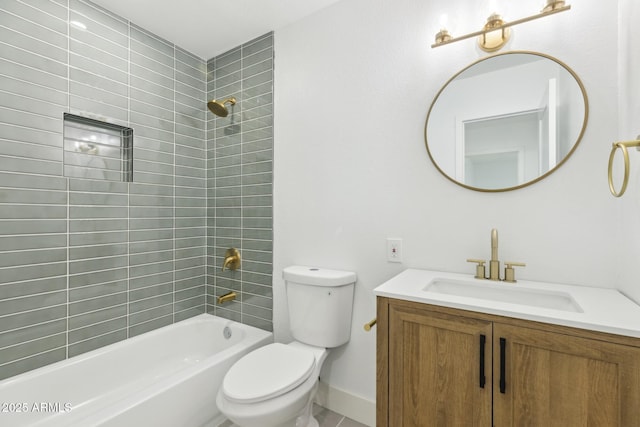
231,259
623,145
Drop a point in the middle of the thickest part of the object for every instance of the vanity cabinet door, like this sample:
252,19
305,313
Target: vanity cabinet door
551,379
439,369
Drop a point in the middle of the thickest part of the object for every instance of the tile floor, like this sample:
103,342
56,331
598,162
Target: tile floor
325,417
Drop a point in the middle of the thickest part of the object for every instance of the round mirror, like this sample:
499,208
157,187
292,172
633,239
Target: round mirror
506,121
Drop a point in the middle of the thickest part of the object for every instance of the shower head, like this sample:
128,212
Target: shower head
218,107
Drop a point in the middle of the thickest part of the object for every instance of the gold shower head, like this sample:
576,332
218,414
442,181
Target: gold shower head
218,107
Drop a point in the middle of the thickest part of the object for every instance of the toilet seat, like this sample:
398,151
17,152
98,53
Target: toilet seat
267,372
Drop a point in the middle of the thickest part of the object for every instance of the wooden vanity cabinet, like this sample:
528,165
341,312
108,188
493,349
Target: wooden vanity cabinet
451,368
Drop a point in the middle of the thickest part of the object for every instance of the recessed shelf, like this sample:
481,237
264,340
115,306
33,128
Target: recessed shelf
97,150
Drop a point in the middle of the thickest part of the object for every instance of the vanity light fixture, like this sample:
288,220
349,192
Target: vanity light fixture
496,32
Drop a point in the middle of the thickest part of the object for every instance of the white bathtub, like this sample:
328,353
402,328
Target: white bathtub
167,377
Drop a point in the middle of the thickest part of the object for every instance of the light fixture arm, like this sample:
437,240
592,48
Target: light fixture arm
502,27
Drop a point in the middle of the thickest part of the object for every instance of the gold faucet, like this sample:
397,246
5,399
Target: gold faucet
494,264
229,296
231,259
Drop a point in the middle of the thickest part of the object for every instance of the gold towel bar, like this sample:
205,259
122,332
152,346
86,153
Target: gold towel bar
623,145
369,325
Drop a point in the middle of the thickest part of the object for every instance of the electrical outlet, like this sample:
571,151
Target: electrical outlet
394,250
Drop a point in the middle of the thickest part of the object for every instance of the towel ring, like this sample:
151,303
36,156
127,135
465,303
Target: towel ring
625,153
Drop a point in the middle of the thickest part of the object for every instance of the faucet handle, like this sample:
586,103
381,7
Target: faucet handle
509,272
231,259
480,268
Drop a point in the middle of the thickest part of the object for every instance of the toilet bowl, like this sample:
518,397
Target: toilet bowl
274,386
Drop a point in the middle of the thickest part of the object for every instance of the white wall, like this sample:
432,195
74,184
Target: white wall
353,84
629,128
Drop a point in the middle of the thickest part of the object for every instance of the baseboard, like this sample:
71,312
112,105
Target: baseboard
355,407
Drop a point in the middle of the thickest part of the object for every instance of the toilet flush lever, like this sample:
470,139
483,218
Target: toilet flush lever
369,325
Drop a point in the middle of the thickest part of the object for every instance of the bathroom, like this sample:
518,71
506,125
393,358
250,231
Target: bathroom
352,86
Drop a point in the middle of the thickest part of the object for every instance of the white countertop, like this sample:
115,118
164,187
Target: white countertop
603,310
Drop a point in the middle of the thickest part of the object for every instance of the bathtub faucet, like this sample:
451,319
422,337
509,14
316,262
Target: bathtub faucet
229,296
231,259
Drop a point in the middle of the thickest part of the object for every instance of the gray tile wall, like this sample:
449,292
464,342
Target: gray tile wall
239,174
86,263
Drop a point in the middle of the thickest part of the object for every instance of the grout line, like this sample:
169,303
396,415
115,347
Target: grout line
90,325
98,336
68,186
36,354
242,169
35,23
128,320
173,307
212,150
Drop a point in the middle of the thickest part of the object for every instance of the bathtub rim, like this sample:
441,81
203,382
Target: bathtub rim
203,317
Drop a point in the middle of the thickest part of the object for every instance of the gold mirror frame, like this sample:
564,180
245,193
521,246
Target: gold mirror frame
549,172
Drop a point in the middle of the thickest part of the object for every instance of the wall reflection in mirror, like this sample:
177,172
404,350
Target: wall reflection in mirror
506,121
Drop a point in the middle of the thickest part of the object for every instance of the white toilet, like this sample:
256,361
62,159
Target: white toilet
274,386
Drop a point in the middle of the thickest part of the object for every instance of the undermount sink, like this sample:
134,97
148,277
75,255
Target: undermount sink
504,293
585,307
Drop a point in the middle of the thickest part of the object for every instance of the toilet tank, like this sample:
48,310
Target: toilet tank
320,304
